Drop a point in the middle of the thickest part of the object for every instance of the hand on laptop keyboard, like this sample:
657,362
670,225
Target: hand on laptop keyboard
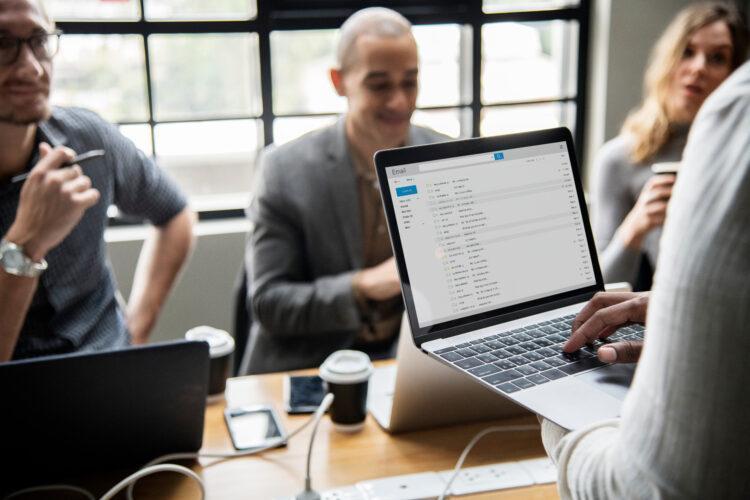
607,316
535,354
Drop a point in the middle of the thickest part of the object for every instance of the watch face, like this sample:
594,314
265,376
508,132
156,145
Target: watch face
13,259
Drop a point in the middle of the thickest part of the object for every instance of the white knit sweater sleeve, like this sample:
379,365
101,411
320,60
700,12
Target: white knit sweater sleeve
685,426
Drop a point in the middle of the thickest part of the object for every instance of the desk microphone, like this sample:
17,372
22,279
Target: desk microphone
308,493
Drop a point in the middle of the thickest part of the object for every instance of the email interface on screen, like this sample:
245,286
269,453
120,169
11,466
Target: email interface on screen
486,231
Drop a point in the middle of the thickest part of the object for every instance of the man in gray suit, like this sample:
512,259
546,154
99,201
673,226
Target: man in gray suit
321,272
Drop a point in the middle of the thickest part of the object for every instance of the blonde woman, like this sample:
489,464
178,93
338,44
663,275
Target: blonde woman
697,52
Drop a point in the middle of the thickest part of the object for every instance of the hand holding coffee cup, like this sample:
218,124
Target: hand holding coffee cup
346,374
650,208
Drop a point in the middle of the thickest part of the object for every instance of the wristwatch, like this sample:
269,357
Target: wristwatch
15,261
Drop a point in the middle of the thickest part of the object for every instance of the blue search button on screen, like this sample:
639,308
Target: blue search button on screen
499,156
406,190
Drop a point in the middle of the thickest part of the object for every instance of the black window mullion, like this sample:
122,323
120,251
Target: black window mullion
144,27
476,66
149,86
314,19
266,77
566,14
581,95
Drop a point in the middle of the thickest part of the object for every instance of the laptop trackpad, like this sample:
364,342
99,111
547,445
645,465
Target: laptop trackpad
613,379
570,403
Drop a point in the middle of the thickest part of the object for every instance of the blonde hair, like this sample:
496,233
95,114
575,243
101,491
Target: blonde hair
649,124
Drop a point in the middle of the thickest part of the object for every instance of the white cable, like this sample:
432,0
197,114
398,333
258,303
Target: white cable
52,487
475,440
324,405
153,468
147,471
236,454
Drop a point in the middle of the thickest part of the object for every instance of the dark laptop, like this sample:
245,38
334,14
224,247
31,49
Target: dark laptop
496,257
83,412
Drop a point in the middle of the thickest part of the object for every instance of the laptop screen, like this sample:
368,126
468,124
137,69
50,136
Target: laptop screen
486,231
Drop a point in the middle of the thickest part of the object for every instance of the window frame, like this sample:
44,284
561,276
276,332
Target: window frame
290,15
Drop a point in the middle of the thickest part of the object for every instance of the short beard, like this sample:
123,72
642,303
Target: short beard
27,118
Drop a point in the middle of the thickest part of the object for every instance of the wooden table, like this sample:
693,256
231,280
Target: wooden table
338,459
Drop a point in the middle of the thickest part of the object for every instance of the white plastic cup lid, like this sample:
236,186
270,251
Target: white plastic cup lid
346,367
220,343
666,167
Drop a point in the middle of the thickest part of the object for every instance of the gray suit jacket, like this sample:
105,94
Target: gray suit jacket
305,246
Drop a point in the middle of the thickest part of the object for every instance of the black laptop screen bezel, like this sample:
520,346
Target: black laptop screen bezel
452,149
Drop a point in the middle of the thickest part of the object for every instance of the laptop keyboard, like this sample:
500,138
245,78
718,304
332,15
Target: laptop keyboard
528,356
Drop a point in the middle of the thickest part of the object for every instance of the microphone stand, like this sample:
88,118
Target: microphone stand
308,493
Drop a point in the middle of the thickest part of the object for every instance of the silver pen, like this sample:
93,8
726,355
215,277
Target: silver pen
88,155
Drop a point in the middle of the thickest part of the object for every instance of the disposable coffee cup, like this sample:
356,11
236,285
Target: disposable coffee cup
666,167
346,374
220,347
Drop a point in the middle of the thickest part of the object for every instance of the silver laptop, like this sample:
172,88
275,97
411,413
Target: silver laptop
496,257
422,393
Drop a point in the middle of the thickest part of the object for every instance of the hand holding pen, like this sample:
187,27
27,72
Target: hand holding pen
53,200
94,153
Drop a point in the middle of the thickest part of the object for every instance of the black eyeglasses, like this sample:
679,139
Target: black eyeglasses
44,46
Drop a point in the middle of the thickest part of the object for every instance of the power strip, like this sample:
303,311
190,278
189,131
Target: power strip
470,480
412,486
345,493
488,478
542,470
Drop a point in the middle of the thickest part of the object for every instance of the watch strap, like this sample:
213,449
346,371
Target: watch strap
23,266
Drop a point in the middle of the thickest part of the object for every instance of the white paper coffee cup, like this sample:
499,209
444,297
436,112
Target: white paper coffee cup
666,167
220,347
346,374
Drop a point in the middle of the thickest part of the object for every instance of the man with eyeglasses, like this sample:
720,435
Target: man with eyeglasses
323,273
57,292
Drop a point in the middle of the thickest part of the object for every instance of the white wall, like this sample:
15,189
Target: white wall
204,294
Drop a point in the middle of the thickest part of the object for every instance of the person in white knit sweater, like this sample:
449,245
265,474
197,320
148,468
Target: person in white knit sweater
684,429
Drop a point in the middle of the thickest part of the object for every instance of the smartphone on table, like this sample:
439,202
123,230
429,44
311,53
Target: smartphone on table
303,394
253,427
